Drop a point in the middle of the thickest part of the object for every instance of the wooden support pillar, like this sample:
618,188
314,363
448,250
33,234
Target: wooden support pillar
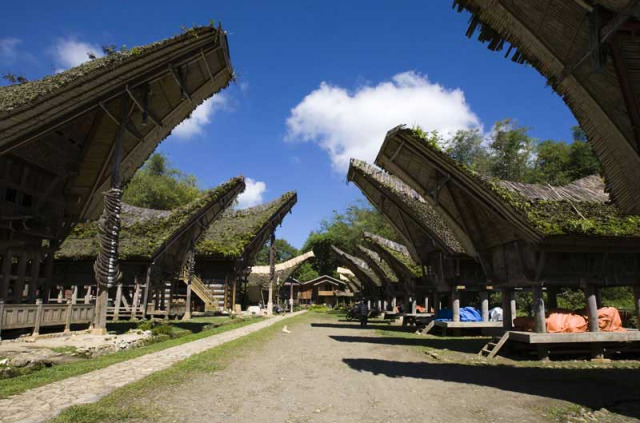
38,319
87,295
18,287
414,306
455,304
225,304
48,271
116,306
136,299
100,319
34,275
272,272
234,288
60,294
394,301
1,317
484,305
145,297
67,323
538,304
170,300
552,298
592,308
426,303
598,293
636,301
190,265
436,302
7,256
74,294
507,315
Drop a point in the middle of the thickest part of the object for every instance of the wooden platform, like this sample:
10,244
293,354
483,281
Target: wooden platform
571,338
467,325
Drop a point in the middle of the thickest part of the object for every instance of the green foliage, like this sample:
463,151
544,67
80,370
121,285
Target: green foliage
318,307
284,252
158,186
511,150
13,79
433,138
466,147
552,163
344,230
305,272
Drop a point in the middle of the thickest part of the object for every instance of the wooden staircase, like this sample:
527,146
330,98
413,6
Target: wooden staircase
493,347
202,291
427,328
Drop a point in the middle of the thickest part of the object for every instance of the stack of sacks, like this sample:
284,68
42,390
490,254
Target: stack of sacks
565,321
609,320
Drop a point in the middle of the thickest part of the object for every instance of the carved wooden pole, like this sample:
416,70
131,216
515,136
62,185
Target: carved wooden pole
272,272
484,301
507,315
106,267
190,265
538,303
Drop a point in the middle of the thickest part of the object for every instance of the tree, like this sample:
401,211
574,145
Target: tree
552,163
466,147
158,186
284,252
305,272
511,150
344,230
582,161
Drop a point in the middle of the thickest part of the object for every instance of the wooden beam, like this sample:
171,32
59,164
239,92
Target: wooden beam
630,99
178,79
130,130
157,121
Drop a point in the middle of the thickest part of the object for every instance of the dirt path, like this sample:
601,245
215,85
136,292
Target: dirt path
330,371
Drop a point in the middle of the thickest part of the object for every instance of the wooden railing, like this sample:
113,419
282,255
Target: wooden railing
176,309
201,290
27,316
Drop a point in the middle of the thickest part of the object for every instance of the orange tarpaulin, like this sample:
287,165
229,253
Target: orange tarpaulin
565,321
609,320
420,309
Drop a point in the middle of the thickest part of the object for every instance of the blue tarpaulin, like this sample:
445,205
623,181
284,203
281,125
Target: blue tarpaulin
467,314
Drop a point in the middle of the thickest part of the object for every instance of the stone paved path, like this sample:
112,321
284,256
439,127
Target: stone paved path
45,402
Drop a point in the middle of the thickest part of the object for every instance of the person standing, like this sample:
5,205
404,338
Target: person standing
364,313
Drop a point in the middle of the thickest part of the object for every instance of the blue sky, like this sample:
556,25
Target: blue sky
318,82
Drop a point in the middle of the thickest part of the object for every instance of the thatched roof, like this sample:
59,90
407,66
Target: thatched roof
359,267
410,214
598,80
64,126
239,234
146,234
349,278
377,264
260,274
396,255
500,211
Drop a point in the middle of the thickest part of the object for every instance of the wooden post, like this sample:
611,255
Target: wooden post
484,305
145,297
168,304
136,298
100,320
426,303
507,316
87,295
190,265
74,294
414,306
234,286
272,272
60,294
226,293
18,287
455,304
7,256
394,302
67,323
538,303
116,306
34,275
598,293
48,271
436,302
1,316
636,300
592,308
36,327
291,296
552,298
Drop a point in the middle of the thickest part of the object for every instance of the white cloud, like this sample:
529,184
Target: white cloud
69,52
8,50
253,194
200,117
353,124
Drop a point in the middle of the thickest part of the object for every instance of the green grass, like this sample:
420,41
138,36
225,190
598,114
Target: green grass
64,350
59,372
124,403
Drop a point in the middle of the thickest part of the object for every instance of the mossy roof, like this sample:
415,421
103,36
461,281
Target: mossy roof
574,212
397,251
374,257
25,94
143,231
356,265
417,206
230,235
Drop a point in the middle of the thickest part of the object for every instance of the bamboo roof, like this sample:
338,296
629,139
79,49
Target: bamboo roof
396,255
349,278
588,51
410,214
377,264
155,235
359,267
260,274
64,126
239,234
497,211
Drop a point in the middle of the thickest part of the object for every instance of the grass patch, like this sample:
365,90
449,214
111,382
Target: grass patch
47,375
64,350
125,403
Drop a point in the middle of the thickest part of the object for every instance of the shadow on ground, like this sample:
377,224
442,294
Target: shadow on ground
616,390
344,324
465,345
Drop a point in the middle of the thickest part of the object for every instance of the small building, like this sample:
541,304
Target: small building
324,290
226,252
153,249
